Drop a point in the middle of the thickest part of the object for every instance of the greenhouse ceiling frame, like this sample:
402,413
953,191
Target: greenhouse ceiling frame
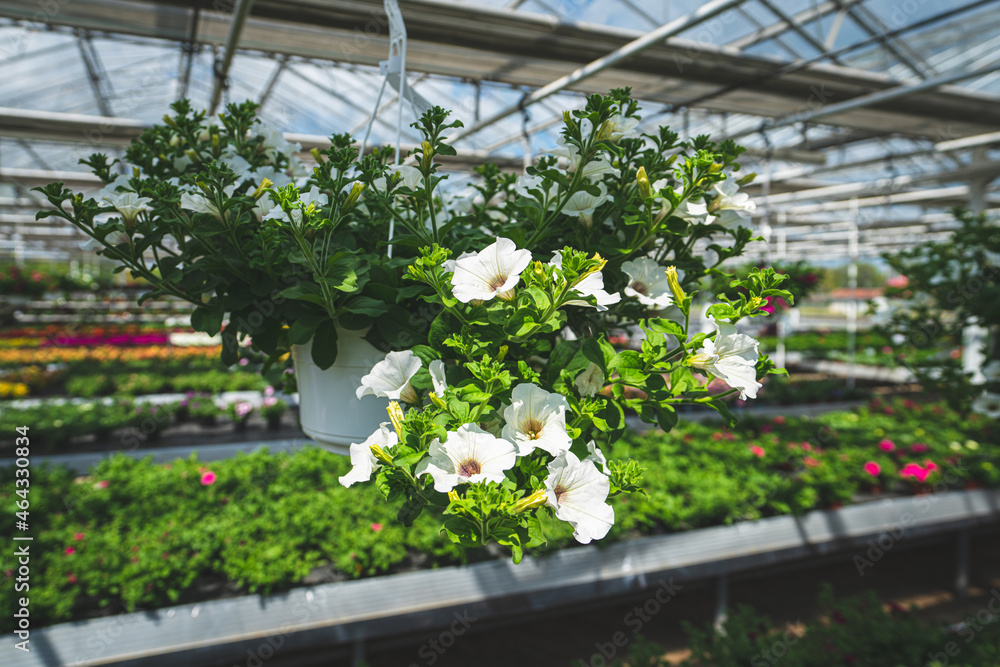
502,46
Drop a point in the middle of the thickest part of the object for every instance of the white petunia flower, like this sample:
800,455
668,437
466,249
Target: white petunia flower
695,212
314,196
263,206
201,204
583,204
494,271
279,178
469,455
731,206
239,166
987,404
181,162
527,183
390,378
536,418
363,461
648,283
112,189
590,380
129,205
410,176
578,492
597,456
591,171
437,377
732,356
621,126
592,285
274,141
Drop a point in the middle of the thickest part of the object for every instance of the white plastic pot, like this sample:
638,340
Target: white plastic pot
330,412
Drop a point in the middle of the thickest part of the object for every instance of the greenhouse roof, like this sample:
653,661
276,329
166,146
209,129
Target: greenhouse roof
877,114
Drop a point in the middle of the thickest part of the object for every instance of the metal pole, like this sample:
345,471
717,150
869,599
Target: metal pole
974,336
962,565
852,306
240,13
702,14
721,603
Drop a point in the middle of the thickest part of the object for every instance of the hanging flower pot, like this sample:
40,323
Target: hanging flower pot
329,408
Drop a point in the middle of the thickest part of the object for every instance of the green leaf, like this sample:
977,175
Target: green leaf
324,345
721,311
304,292
426,354
365,305
303,328
728,417
410,510
207,319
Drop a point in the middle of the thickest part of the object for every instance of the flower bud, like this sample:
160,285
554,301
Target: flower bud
169,121
503,353
567,117
396,417
536,499
593,269
715,168
605,131
428,155
215,142
381,454
316,154
175,140
747,180
135,172
675,285
645,189
264,185
192,155
356,191
435,399
453,496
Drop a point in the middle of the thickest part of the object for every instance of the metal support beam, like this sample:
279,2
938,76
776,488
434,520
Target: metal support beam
802,32
702,14
871,24
240,13
777,40
188,49
95,73
871,99
828,54
338,96
802,18
272,80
